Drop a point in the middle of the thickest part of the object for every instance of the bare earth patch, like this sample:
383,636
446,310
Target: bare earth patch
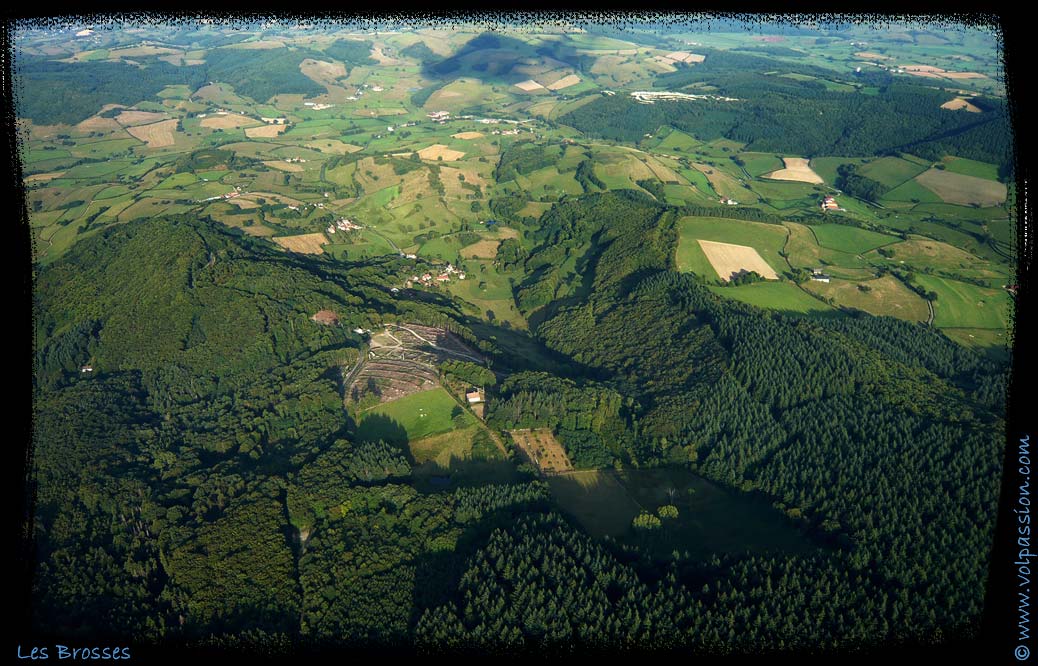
43,177
868,55
730,260
468,135
156,135
303,244
685,56
798,169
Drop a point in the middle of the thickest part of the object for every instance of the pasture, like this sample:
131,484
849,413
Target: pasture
885,296
783,296
413,418
963,305
766,239
846,238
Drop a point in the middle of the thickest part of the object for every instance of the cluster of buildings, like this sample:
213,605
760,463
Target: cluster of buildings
274,121
829,203
442,278
342,224
440,116
729,202
230,195
818,276
317,106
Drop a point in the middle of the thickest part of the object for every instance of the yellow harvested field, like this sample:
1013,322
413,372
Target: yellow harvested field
963,75
265,132
484,249
43,177
731,260
921,68
927,74
542,449
960,103
468,135
798,169
230,121
526,86
685,56
565,82
957,188
868,55
244,204
437,151
156,135
303,244
99,124
281,165
128,118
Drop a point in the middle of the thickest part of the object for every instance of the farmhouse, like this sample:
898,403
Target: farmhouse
473,396
86,368
326,317
818,276
829,203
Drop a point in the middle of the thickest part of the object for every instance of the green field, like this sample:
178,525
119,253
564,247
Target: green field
767,239
891,171
757,164
826,167
412,417
850,239
969,167
911,191
783,296
962,305
886,296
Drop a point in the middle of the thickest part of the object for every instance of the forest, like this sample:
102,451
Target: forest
214,418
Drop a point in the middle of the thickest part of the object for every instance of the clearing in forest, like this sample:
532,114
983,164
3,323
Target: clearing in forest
303,243
733,260
541,448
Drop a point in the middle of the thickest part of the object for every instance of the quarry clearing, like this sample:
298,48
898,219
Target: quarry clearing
731,260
